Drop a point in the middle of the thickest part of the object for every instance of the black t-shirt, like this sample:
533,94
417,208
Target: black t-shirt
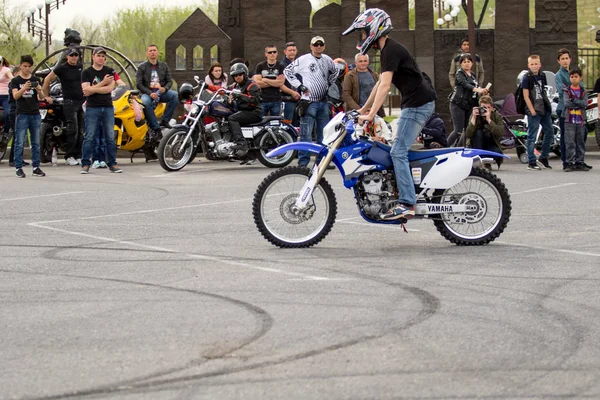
94,77
270,72
415,90
70,80
28,103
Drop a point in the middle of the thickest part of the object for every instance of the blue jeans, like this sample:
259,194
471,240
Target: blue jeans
317,113
532,130
33,122
99,152
288,110
4,102
170,97
272,108
93,117
410,124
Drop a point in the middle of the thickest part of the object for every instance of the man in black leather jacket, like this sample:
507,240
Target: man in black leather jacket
154,81
247,102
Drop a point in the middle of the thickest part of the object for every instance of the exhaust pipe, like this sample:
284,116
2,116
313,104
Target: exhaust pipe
56,130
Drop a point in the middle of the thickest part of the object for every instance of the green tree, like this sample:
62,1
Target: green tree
13,40
131,30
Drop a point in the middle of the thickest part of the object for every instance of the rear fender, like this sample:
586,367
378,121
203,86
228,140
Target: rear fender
448,170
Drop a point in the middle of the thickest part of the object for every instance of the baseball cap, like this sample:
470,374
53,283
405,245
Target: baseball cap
99,50
72,50
317,39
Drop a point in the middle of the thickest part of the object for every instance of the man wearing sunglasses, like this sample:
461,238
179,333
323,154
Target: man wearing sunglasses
269,77
69,74
318,72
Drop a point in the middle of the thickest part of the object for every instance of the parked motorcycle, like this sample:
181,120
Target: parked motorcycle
52,131
131,129
591,116
180,144
296,207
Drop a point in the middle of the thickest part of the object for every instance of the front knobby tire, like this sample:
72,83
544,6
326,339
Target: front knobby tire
273,203
488,193
170,155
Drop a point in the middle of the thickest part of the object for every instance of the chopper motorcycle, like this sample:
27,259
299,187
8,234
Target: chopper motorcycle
180,144
295,207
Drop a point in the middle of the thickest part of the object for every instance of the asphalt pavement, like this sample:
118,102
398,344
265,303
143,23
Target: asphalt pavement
155,285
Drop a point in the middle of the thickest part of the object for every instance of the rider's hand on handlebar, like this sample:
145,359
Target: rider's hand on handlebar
365,118
48,99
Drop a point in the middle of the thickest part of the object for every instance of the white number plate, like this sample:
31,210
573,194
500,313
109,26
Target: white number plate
43,113
592,114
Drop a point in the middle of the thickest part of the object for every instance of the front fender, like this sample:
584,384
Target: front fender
312,147
470,153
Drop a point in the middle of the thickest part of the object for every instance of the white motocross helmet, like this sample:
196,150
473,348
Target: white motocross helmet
375,23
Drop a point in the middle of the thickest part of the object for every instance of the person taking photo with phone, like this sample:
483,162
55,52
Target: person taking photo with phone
27,92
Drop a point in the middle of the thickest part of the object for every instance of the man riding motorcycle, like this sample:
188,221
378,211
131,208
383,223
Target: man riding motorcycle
247,104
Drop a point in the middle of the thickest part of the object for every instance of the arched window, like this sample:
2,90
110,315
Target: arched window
214,54
198,58
180,58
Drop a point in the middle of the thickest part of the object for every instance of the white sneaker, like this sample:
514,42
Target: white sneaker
96,164
103,164
71,161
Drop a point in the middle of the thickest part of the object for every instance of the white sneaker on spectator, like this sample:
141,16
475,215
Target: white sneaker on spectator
71,161
103,164
96,164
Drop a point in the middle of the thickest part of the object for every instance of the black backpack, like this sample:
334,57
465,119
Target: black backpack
520,104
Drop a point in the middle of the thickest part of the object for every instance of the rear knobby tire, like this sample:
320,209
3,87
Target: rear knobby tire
467,192
272,204
597,130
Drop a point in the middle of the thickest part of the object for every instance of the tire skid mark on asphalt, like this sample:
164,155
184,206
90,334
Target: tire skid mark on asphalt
573,342
264,319
225,261
429,306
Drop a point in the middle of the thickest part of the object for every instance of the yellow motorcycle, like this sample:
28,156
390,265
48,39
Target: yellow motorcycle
131,129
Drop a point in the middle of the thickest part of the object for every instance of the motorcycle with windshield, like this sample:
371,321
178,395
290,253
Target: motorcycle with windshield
131,130
296,207
180,144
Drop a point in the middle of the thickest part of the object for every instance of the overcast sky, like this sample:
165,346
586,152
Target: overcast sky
97,10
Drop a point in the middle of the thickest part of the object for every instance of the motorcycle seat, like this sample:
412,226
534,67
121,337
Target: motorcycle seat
414,155
265,120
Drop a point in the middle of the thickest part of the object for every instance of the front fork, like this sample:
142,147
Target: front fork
190,131
317,173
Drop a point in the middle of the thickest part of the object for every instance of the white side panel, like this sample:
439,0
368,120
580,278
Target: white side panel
449,173
248,132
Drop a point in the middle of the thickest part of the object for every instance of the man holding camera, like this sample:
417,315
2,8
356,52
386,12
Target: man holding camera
27,92
485,129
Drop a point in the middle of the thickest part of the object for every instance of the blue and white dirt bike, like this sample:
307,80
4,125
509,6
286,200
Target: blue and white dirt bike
296,207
